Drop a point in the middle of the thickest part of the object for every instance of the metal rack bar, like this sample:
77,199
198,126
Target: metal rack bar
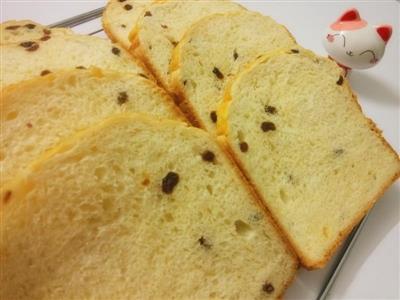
344,253
350,241
79,19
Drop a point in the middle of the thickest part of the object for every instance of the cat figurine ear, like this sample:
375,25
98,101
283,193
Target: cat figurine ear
350,15
354,44
385,32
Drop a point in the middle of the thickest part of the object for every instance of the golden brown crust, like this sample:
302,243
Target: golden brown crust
224,146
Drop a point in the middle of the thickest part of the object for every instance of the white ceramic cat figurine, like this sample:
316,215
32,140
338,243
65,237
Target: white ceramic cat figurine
352,43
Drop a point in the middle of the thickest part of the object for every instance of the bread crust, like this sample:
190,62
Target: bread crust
342,235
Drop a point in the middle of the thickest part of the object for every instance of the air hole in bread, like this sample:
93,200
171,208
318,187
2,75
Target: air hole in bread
244,229
11,115
100,172
209,189
325,232
240,136
168,217
107,204
283,195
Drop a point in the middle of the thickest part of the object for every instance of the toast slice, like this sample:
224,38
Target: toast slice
34,58
15,32
294,125
119,17
37,114
134,208
213,51
163,24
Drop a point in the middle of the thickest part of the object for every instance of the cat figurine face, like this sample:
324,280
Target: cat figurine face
352,43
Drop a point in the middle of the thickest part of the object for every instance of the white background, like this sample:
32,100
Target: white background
372,269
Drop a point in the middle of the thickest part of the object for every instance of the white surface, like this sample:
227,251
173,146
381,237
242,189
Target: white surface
373,267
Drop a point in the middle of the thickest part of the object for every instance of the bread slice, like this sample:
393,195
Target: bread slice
162,26
213,51
138,209
37,114
13,31
119,17
33,58
295,127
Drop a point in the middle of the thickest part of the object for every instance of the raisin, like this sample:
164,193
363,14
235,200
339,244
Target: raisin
115,50
268,288
218,73
45,38
208,156
44,72
294,51
148,14
184,82
34,47
122,98
123,25
128,7
268,126
202,241
29,125
235,55
164,26
80,68
142,75
213,116
7,196
27,44
340,81
121,0
174,43
244,147
46,31
30,26
13,27
169,182
270,109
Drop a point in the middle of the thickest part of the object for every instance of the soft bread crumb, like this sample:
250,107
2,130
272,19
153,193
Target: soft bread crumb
322,165
90,220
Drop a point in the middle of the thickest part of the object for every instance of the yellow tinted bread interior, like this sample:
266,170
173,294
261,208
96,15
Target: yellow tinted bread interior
14,31
39,113
119,17
33,58
297,130
163,24
213,51
138,209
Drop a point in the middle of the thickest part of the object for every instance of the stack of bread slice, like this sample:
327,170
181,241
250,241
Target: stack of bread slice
108,190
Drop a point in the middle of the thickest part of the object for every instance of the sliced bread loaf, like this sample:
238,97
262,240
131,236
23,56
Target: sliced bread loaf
37,114
119,17
138,209
295,127
213,51
161,27
26,30
33,58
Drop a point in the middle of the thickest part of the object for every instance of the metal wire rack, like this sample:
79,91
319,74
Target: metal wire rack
347,245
